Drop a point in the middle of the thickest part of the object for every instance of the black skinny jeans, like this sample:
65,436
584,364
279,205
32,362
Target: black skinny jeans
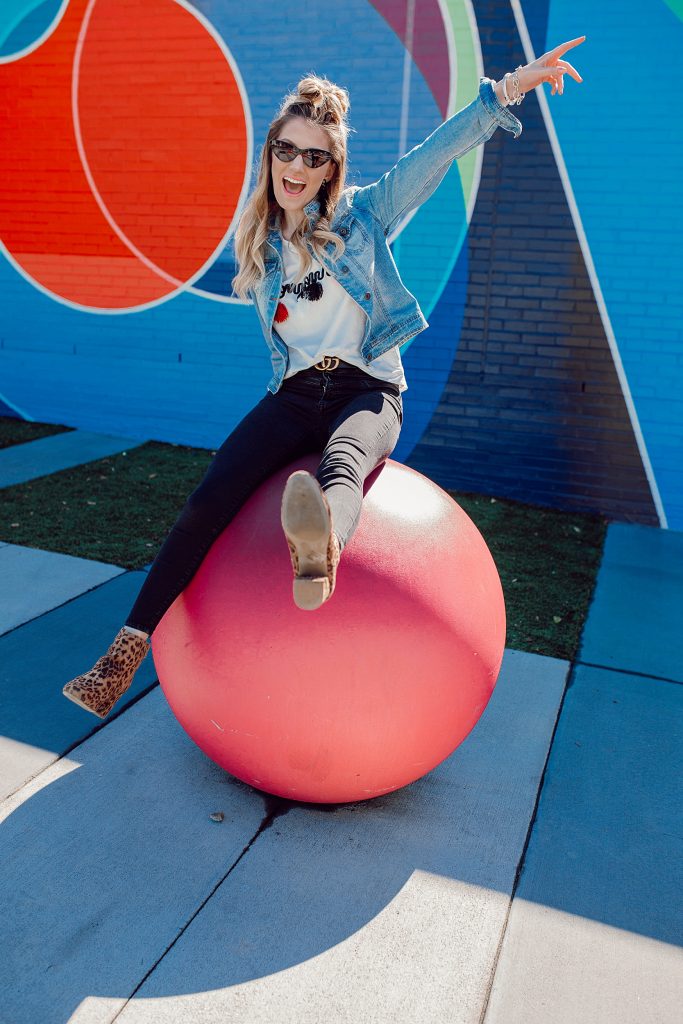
352,418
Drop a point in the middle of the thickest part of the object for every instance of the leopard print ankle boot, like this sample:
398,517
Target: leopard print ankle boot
99,689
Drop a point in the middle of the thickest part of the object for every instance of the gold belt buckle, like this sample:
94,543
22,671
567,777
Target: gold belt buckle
328,363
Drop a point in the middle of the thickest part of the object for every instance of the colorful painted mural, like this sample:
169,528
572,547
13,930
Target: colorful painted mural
128,146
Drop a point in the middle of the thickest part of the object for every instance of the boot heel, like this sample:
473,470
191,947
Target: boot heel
313,545
310,591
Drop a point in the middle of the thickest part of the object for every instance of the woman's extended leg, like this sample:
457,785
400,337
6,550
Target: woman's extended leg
362,419
361,435
275,432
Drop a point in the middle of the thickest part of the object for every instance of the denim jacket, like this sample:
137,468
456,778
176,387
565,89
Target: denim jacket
363,218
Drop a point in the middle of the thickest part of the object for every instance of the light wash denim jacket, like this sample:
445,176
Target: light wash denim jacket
363,218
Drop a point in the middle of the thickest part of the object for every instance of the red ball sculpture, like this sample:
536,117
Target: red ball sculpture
365,694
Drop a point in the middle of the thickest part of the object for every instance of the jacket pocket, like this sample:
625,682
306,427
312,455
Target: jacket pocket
356,237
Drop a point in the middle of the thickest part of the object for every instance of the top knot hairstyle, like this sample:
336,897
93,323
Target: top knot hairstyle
324,104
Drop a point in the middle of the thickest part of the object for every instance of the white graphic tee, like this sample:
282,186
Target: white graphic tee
316,317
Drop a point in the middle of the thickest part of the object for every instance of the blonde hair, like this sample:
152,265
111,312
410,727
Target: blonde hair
321,103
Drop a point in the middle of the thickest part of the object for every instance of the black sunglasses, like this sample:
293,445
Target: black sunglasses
287,151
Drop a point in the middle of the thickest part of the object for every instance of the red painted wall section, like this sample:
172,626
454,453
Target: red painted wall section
154,141
429,47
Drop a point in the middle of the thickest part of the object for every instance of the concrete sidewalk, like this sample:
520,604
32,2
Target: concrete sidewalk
596,924
533,876
22,462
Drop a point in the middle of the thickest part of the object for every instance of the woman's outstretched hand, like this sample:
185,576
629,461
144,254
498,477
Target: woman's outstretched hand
549,68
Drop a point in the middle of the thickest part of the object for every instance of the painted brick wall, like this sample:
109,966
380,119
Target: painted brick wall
513,389
533,408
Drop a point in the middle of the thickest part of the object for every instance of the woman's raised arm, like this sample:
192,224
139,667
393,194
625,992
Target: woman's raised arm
417,174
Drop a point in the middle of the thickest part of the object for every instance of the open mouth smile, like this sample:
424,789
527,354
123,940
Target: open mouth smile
292,186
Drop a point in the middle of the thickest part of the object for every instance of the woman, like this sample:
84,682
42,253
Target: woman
313,257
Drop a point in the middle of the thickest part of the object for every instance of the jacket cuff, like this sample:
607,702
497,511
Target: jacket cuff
501,114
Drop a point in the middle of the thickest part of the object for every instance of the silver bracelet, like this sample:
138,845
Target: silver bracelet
518,95
505,86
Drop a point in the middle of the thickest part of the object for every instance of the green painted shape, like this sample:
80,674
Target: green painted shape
676,6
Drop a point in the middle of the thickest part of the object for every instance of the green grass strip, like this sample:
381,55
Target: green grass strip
119,510
548,561
14,431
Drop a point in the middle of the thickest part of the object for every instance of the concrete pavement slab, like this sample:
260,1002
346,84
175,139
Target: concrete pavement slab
597,921
105,857
635,621
35,582
37,722
390,910
22,462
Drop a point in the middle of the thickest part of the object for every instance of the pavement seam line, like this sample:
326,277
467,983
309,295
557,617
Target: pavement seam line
520,865
267,821
631,672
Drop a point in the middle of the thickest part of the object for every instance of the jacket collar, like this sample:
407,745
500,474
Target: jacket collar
312,209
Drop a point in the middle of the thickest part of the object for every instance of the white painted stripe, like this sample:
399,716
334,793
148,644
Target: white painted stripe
130,245
407,68
118,311
452,109
22,412
179,286
476,44
452,56
590,267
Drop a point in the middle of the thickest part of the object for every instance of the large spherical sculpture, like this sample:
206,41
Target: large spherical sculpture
365,694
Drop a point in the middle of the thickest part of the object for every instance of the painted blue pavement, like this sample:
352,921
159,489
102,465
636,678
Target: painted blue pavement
115,845
114,840
22,462
39,657
119,893
606,843
636,618
383,912
596,922
35,581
